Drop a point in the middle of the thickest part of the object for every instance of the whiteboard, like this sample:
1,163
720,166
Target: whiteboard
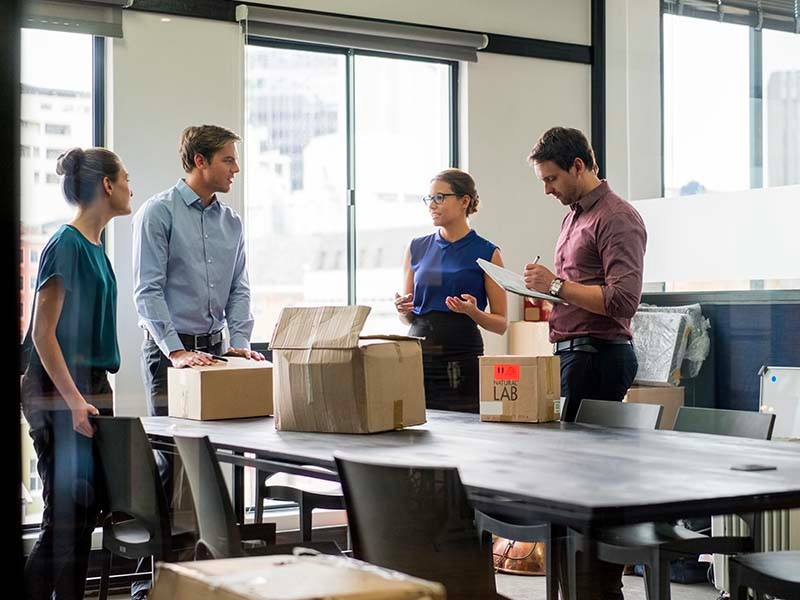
780,394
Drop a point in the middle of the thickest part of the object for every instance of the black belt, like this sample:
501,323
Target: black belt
586,344
197,342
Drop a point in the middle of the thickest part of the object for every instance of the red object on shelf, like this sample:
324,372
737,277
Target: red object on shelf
534,309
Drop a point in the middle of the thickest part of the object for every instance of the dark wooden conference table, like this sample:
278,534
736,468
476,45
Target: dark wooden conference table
563,473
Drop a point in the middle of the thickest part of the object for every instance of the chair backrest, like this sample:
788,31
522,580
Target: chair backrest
417,520
612,413
133,486
738,423
216,521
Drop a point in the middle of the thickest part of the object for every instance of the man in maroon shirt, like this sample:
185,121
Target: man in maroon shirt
598,261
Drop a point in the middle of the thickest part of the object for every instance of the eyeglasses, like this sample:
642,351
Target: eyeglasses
436,199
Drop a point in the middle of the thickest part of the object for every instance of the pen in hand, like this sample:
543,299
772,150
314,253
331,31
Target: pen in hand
536,260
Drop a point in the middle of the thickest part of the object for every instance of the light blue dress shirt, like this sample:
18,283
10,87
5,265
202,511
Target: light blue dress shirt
189,269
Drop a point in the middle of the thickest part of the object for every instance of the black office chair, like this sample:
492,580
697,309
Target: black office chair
417,520
308,493
773,573
737,423
612,413
137,523
656,544
220,535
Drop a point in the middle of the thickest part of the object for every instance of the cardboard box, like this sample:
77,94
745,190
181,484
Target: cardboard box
536,309
329,378
283,577
520,388
235,389
671,398
529,339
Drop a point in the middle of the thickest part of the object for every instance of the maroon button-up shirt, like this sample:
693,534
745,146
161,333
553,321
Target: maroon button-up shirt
602,242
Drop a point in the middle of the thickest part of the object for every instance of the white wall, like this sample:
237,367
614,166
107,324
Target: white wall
164,76
633,98
510,102
561,21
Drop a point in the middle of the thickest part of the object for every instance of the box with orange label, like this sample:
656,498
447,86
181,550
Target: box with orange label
520,388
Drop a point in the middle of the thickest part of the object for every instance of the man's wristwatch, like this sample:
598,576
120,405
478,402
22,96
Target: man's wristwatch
555,287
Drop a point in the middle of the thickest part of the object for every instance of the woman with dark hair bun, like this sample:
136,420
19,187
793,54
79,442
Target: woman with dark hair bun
74,339
445,294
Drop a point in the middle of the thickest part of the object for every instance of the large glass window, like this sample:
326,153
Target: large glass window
56,113
731,148
300,231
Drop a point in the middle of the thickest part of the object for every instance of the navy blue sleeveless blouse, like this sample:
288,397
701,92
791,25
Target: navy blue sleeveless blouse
443,269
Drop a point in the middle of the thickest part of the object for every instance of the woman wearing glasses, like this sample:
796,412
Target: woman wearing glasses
446,293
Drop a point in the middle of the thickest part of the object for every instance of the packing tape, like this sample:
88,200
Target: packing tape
307,376
398,414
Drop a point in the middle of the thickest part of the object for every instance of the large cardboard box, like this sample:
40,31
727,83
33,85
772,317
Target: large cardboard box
520,388
671,398
235,389
285,577
526,338
329,378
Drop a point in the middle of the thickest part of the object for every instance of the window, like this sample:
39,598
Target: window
300,230
53,153
731,148
57,71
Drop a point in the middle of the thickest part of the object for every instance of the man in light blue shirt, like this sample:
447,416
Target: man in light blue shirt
190,280
190,277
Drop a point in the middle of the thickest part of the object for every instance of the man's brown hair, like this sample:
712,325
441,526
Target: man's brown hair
204,140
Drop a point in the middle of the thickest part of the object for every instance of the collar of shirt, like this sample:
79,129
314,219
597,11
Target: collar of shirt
589,200
443,243
190,197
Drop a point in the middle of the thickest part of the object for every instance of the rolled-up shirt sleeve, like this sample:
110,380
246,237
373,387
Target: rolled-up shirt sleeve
151,227
622,241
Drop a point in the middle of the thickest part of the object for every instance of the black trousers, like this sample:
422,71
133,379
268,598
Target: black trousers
155,365
603,375
450,354
72,488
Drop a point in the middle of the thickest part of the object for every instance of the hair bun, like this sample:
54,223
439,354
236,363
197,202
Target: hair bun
69,162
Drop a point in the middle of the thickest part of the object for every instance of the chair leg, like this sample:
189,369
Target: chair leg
261,482
105,574
306,521
551,569
152,572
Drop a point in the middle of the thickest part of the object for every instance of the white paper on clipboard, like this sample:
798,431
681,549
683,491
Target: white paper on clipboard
513,282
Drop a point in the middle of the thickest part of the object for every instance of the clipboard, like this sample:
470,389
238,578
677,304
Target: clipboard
513,282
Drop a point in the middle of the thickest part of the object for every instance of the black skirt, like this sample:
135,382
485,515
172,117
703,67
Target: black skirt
450,354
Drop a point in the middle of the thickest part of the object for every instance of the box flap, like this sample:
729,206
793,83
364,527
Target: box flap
330,327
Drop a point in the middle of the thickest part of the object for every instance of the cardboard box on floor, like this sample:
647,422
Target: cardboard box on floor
284,577
520,388
527,338
235,389
329,378
671,398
